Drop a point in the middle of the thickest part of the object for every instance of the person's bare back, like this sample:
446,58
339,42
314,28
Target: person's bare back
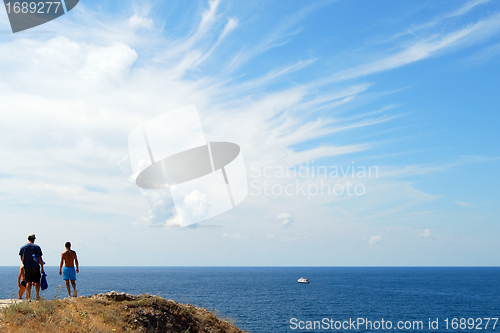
69,257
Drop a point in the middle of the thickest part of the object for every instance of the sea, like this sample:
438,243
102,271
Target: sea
343,299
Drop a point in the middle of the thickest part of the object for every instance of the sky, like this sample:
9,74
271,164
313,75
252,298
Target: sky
369,131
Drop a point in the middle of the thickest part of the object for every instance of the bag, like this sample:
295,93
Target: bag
43,283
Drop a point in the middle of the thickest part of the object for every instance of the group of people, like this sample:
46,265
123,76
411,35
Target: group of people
31,270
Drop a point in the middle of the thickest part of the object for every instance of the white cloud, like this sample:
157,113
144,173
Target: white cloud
425,234
136,22
464,9
285,219
196,202
173,222
374,240
424,49
161,209
232,236
283,216
113,61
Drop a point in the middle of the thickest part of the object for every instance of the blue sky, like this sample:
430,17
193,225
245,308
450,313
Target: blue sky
408,88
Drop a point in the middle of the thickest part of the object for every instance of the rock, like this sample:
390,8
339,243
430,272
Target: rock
117,297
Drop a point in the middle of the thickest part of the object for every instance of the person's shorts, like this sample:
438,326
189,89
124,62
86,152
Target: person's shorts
32,275
23,283
69,273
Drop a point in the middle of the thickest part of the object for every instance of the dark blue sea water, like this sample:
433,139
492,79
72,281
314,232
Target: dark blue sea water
266,299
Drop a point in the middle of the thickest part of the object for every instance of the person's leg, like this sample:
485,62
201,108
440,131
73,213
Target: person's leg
69,288
21,291
73,283
28,291
37,288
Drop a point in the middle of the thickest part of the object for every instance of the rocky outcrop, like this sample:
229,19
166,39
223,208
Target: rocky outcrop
155,314
111,312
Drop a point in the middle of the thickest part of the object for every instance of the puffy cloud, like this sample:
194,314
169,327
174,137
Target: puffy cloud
161,209
425,234
284,218
112,61
374,240
196,202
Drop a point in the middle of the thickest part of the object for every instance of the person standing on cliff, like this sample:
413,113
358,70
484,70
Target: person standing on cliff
21,283
31,257
69,259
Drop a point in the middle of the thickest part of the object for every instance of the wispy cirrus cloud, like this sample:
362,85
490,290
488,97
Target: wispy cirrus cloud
424,49
415,29
280,35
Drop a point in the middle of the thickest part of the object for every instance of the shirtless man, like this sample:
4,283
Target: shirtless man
69,259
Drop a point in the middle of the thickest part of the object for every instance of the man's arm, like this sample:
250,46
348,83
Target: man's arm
41,262
61,264
21,259
76,263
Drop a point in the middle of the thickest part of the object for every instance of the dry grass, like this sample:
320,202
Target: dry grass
110,312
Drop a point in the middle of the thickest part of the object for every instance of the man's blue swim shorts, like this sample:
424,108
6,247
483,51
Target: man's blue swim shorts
69,273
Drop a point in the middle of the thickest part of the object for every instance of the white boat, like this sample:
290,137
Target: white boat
303,280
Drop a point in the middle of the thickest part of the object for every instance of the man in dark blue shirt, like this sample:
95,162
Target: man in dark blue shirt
31,256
